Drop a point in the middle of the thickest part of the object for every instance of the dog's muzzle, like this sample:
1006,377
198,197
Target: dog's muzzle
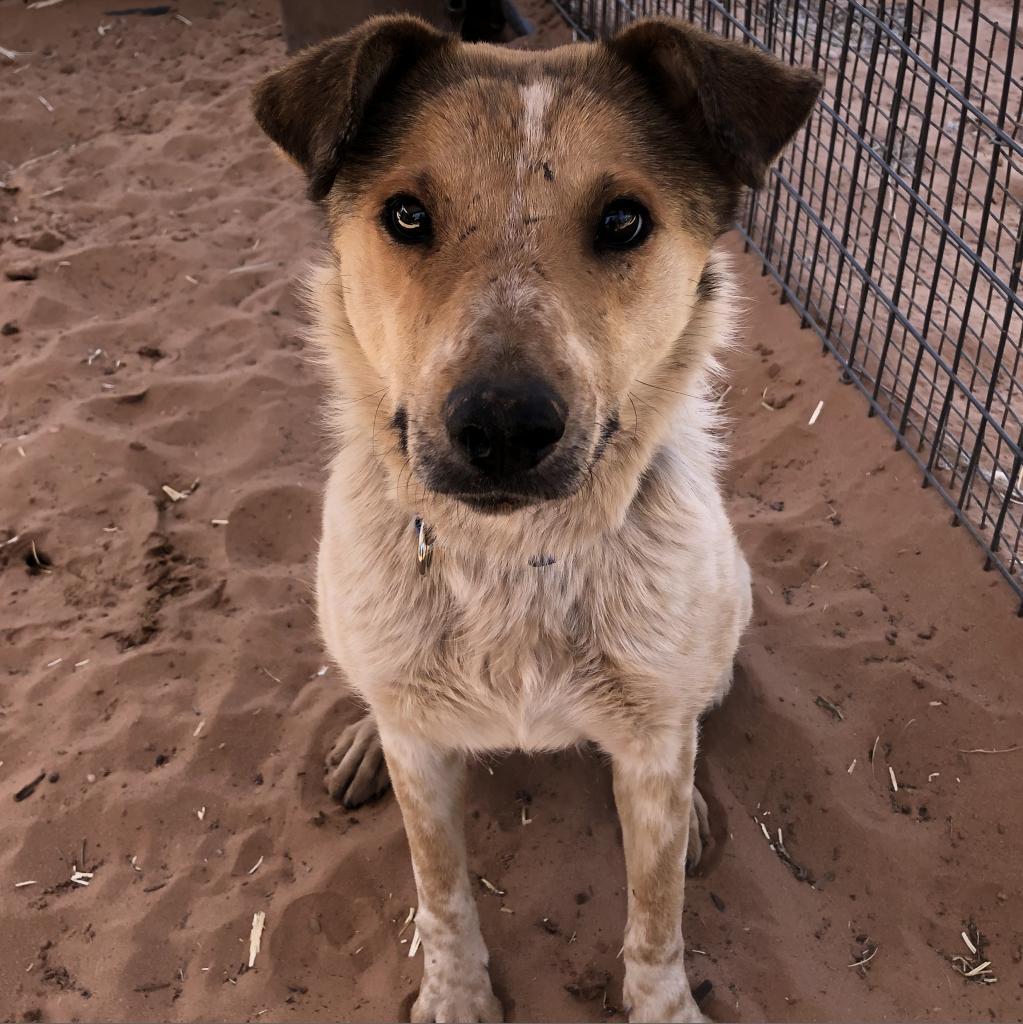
506,444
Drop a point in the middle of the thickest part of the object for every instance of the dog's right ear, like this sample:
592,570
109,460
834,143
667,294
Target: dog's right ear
743,105
313,107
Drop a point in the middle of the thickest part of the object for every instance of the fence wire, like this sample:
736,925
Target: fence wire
893,223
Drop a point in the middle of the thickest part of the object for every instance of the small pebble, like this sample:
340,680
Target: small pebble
22,272
54,777
90,777
45,241
10,328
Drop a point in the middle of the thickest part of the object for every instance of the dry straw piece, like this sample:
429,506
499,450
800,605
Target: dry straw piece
256,935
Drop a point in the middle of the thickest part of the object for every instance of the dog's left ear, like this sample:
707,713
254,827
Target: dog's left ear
741,105
314,106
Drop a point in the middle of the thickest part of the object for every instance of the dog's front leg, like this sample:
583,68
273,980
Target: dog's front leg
653,784
430,785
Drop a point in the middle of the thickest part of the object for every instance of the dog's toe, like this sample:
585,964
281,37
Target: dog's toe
474,1007
371,779
699,830
356,771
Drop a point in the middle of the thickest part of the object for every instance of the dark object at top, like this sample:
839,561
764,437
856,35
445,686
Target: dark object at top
150,12
310,21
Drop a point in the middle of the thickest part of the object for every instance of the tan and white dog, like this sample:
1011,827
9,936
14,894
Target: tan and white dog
524,542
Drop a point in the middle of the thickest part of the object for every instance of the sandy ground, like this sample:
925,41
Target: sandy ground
164,672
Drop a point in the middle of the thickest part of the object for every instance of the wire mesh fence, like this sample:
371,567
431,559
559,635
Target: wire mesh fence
893,224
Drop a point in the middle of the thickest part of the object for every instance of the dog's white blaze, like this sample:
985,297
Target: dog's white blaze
536,98
515,289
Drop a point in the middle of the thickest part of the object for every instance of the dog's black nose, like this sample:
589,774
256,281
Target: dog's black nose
504,428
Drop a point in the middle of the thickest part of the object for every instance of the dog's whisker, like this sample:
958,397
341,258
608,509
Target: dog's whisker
355,401
658,387
409,481
397,484
646,405
635,413
376,412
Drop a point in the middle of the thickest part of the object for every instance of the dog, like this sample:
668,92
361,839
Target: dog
524,541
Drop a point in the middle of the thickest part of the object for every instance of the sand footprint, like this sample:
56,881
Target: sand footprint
274,525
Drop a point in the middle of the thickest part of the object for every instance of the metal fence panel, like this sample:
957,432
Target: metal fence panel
893,224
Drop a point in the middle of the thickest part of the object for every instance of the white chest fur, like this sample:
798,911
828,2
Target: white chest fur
490,653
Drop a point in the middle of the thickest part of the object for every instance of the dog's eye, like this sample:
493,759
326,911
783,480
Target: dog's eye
406,220
624,224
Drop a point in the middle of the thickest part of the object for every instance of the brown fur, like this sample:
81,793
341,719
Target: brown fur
629,635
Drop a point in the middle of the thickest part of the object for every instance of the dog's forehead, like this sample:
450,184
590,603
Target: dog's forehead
558,119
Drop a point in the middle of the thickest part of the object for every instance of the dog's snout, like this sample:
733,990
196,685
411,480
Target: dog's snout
504,428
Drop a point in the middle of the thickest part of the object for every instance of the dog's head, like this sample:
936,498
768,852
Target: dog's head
522,237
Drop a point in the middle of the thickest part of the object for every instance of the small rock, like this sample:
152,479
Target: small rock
778,506
21,272
927,634
134,398
773,370
45,241
53,777
90,777
591,984
10,328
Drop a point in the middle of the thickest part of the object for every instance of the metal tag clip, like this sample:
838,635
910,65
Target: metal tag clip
424,548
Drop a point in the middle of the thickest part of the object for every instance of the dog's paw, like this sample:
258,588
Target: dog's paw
660,993
466,998
679,1015
699,830
356,770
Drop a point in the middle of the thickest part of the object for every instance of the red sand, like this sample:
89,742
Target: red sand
187,679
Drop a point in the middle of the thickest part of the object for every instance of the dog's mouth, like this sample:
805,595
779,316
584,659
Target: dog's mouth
494,503
503,497
557,477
